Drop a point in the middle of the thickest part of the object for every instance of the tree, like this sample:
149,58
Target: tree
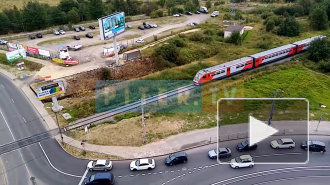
34,16
189,6
170,4
168,51
15,18
319,49
196,3
83,11
290,27
73,16
58,17
4,23
235,37
161,3
208,4
96,9
306,4
149,7
67,5
270,25
318,19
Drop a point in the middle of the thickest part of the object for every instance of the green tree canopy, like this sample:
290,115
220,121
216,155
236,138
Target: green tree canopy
208,4
73,16
290,27
319,19
319,49
67,5
96,9
4,23
34,16
168,51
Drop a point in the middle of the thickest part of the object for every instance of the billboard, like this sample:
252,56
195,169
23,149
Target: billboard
15,55
44,53
33,50
111,25
12,46
51,89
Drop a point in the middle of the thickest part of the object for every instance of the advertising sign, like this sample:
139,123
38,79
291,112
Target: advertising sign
57,60
12,46
16,55
44,53
72,62
50,90
33,50
111,25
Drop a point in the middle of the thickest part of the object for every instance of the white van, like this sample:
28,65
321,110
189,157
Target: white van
215,14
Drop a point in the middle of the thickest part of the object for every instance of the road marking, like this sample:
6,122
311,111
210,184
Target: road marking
12,135
54,166
293,178
23,119
12,100
2,86
83,177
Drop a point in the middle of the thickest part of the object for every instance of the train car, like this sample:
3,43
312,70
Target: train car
303,45
274,54
223,70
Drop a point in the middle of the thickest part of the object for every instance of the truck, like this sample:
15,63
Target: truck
215,14
203,9
130,55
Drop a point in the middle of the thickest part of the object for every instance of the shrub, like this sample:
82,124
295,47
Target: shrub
220,33
324,65
270,25
105,74
319,50
196,36
178,42
235,38
209,32
264,44
265,15
290,27
168,51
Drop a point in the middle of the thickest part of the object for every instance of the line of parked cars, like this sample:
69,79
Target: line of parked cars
32,36
3,42
147,25
182,157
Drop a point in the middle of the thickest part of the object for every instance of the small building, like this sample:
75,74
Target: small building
229,30
132,54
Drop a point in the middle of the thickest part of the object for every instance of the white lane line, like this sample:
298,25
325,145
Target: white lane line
83,177
23,119
54,166
12,135
12,100
293,178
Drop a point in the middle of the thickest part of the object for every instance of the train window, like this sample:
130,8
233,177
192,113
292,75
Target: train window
222,71
273,55
276,54
262,59
213,74
204,76
218,72
246,64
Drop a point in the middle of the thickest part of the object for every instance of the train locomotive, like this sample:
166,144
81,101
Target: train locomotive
253,61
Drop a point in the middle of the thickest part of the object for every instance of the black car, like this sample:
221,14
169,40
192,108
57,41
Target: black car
76,37
32,36
39,35
188,13
92,27
81,28
76,29
147,26
100,179
145,23
176,158
89,35
141,27
122,46
245,145
197,12
195,23
315,146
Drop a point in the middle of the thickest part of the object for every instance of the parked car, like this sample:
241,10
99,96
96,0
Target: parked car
3,42
75,47
141,27
122,46
103,165
147,26
76,37
315,146
100,178
176,15
55,32
188,13
225,21
242,161
89,35
195,23
191,24
283,143
140,41
81,28
222,152
215,14
32,36
145,23
153,25
91,27
142,164
197,12
180,14
39,35
76,29
176,158
245,145
128,26
62,32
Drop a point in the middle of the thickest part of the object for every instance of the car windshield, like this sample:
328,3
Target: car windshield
310,142
172,157
91,178
245,143
279,141
238,160
137,163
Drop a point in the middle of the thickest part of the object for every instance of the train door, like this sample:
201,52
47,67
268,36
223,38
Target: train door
228,71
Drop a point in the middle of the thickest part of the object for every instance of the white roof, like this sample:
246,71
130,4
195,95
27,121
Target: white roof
246,157
308,40
225,65
101,162
142,161
287,140
264,53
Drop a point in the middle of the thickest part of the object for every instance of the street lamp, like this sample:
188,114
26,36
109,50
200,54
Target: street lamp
319,123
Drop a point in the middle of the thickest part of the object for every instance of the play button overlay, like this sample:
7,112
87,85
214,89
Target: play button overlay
259,130
270,130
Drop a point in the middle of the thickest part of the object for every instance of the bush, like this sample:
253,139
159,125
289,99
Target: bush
265,15
324,65
235,38
319,49
105,74
264,44
220,33
227,16
277,20
178,42
196,36
168,51
285,11
290,28
209,32
270,25
156,14
161,63
217,3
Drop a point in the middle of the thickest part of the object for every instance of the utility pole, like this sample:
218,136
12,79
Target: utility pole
272,110
319,123
143,124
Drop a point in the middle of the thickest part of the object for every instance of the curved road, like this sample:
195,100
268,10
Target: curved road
18,119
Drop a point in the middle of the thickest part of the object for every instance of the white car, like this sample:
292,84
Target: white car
62,32
242,161
283,143
103,165
176,15
225,21
153,25
55,32
140,41
142,164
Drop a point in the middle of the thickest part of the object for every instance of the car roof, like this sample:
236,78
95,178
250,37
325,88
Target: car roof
246,157
101,162
318,143
144,161
222,149
178,154
107,175
287,140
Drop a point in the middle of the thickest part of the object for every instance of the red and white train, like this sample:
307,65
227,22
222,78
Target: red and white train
240,65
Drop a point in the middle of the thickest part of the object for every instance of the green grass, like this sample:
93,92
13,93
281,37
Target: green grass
8,4
31,66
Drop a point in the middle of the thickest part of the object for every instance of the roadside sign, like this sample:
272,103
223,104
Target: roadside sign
51,89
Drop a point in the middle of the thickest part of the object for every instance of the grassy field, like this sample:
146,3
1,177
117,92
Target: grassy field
7,4
295,80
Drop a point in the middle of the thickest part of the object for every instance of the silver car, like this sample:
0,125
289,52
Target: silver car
222,152
283,143
103,165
